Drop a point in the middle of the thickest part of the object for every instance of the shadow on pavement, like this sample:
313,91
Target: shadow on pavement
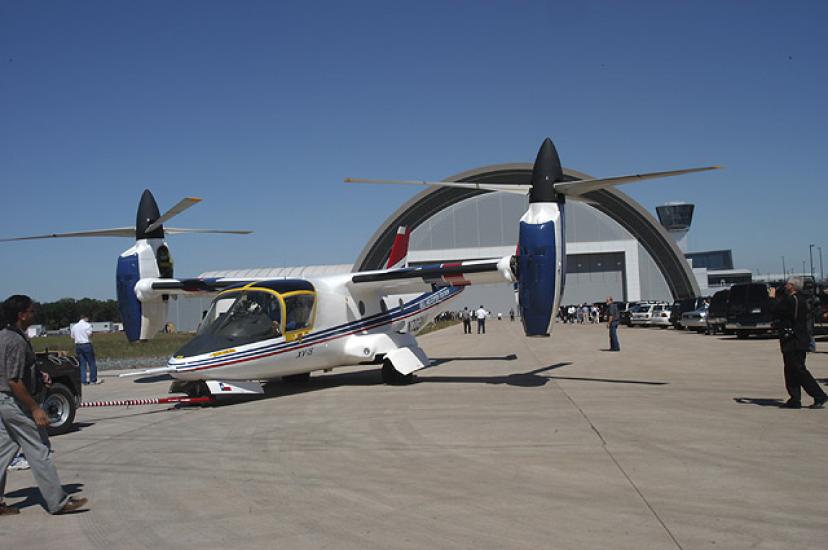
761,401
33,497
153,379
611,380
533,378
529,379
76,427
733,337
436,361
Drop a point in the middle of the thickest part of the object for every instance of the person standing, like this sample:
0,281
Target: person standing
82,335
790,311
512,315
612,324
23,422
467,315
481,315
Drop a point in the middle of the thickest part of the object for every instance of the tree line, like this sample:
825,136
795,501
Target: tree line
56,315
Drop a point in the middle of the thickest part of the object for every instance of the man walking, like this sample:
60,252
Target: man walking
791,313
612,324
481,315
22,422
82,335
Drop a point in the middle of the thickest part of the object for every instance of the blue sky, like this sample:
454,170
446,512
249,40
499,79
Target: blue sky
262,108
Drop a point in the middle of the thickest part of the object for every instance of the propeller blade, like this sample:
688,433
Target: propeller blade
504,187
182,205
114,232
575,188
182,230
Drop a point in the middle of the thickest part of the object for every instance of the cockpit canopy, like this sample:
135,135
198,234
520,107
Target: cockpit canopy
252,313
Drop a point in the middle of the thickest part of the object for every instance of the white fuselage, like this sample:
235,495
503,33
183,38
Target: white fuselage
351,326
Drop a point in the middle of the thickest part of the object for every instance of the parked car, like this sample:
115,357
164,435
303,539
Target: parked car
625,313
680,307
749,310
717,312
63,397
642,314
696,320
660,316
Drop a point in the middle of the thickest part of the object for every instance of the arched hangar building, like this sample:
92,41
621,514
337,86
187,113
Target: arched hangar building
614,246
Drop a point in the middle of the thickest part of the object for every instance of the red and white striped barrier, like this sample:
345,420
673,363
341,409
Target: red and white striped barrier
150,401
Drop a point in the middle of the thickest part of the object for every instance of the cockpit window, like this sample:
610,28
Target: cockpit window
249,317
298,309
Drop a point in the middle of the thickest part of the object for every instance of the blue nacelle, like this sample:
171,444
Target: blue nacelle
540,280
126,276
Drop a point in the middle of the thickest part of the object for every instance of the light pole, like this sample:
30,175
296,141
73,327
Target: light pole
821,272
784,273
811,256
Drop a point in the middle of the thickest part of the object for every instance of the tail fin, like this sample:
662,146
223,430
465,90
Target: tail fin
399,250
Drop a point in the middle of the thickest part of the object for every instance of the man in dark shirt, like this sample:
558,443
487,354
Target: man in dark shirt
22,421
467,315
791,313
612,324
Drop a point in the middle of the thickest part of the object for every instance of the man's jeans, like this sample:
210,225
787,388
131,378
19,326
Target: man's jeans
86,356
613,335
18,429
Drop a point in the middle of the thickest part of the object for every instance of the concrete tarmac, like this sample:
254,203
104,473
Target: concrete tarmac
506,442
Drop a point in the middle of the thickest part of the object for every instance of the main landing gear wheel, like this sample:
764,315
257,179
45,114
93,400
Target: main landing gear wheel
393,377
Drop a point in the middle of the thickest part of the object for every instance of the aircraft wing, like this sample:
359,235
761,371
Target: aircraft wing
149,288
411,279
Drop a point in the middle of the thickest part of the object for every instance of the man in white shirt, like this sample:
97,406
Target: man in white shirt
481,315
82,334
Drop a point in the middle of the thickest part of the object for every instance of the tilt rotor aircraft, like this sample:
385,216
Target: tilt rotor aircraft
257,330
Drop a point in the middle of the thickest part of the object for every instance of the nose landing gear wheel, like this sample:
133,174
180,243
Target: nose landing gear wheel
393,377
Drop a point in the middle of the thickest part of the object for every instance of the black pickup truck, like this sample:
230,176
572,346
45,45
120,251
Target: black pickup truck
63,397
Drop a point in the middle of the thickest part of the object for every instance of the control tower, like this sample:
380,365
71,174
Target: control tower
676,218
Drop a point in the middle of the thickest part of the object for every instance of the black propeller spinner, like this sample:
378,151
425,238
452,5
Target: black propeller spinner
546,171
147,214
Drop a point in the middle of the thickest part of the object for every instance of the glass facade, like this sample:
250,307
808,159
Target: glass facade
675,216
712,260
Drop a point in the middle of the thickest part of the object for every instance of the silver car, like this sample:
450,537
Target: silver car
696,319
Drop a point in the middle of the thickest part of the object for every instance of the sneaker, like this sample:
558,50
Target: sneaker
8,510
19,463
820,403
790,404
98,381
72,504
